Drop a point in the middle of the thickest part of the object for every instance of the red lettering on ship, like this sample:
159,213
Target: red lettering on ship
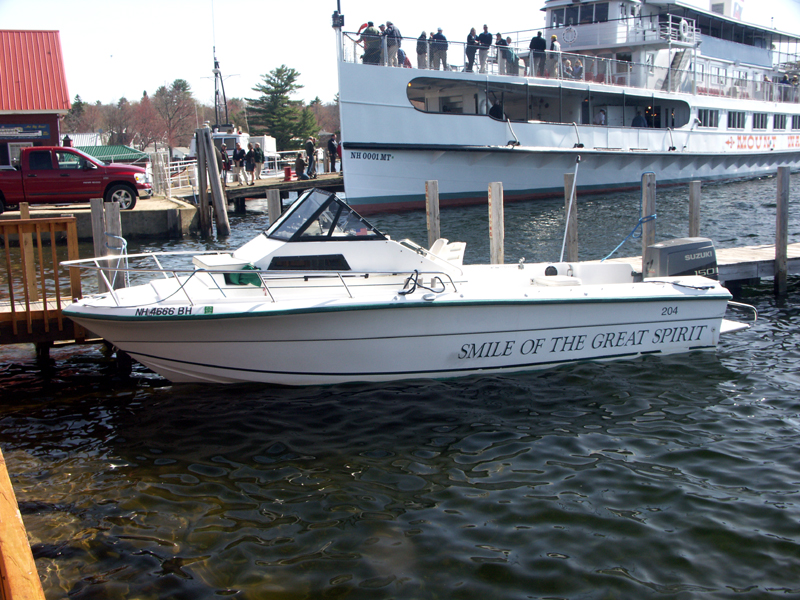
759,142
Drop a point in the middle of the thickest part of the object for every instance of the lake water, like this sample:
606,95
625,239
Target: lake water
672,477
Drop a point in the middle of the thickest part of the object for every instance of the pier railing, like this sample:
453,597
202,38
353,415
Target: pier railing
518,60
34,288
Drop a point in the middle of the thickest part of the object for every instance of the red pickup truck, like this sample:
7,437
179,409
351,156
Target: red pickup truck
57,175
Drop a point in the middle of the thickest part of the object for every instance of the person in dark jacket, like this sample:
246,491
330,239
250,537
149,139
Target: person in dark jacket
485,41
439,49
259,158
538,47
394,40
238,163
472,48
502,54
311,152
250,164
422,51
333,152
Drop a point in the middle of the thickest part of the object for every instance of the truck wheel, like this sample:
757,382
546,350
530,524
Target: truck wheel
123,194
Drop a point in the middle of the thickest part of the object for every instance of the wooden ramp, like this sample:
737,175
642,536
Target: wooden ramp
741,264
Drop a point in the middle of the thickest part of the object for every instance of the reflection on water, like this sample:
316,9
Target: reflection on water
660,477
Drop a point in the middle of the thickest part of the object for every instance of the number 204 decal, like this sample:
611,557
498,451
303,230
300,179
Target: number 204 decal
667,311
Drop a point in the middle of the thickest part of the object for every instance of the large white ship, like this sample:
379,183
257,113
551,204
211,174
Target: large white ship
715,99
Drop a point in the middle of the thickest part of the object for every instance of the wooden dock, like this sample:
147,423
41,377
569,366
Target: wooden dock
742,265
332,182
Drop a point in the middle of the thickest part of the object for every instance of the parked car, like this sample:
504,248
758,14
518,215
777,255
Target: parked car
58,175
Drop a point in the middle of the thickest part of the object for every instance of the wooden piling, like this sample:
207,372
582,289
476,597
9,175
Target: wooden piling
203,208
273,205
220,203
27,255
571,212
648,209
114,246
432,211
694,208
99,238
496,225
782,231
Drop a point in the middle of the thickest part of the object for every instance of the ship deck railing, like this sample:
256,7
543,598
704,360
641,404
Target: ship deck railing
518,60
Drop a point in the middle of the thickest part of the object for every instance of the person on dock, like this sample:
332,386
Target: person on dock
250,165
333,150
259,157
538,47
422,51
485,42
238,164
222,162
472,48
311,150
439,46
300,166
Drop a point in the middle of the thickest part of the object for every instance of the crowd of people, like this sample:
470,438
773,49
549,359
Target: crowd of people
383,45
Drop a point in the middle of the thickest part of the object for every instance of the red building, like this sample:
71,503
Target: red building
33,91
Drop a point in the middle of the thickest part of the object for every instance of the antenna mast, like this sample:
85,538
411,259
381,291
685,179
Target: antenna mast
220,101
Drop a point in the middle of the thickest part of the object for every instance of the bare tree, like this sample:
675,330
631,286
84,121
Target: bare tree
176,107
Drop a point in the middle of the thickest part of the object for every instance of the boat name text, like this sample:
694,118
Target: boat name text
371,156
576,343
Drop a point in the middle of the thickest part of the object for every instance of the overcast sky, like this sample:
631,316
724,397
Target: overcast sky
114,48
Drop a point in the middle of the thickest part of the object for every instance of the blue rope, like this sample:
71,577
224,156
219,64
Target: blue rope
632,234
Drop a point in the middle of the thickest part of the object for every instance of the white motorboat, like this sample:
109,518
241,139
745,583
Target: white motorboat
323,297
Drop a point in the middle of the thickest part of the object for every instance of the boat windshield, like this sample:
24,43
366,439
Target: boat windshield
320,216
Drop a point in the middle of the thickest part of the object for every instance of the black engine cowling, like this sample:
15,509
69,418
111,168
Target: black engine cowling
684,256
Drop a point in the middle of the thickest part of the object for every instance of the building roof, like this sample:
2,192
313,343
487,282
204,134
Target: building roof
32,76
114,153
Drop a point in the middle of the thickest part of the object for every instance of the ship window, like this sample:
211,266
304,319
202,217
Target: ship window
779,122
736,119
708,117
571,16
557,18
795,122
601,12
587,13
760,120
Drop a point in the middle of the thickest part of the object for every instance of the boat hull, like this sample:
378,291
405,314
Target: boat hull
430,339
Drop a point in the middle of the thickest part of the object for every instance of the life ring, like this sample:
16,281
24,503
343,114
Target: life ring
684,29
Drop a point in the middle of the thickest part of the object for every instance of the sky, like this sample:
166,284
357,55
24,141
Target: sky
114,49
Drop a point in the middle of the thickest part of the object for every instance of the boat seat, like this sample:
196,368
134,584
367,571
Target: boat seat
219,262
452,252
556,280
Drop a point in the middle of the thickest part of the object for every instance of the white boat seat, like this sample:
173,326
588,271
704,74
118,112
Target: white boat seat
219,262
452,252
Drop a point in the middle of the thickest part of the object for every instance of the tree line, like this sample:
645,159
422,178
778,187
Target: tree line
170,116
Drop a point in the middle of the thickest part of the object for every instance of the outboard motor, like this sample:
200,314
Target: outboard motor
684,256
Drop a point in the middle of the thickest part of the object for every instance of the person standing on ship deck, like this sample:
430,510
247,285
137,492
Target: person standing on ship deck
422,51
472,47
555,56
439,47
372,44
501,54
393,43
538,47
485,41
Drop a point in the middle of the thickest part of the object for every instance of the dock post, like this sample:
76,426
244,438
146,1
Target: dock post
218,196
273,205
432,211
99,237
203,209
648,209
114,246
571,208
781,231
26,247
496,225
694,209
